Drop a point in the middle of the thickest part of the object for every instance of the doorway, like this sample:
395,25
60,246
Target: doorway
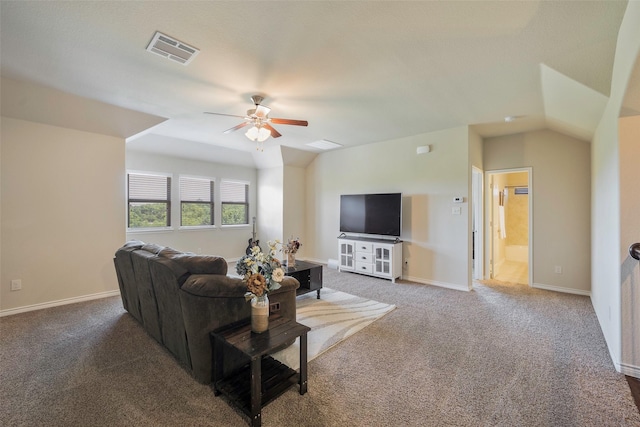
509,225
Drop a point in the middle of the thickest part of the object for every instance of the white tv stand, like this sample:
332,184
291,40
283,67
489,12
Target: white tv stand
374,257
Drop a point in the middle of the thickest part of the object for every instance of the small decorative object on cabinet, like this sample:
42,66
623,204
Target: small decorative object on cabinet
374,257
291,259
290,249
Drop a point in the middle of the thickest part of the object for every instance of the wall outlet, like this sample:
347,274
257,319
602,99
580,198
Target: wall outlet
558,269
274,307
456,210
16,285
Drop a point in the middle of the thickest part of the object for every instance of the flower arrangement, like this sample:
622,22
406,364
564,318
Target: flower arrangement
292,246
262,272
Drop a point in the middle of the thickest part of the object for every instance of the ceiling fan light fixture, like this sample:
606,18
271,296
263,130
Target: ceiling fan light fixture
252,133
258,134
263,134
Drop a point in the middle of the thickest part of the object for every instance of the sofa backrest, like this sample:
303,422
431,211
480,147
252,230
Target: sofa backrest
126,278
146,293
167,277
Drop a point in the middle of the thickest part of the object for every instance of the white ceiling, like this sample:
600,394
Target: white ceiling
359,72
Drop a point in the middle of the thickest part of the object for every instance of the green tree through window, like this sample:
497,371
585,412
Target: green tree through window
235,202
149,200
196,201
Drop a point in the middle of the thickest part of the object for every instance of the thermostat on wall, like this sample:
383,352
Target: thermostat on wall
458,199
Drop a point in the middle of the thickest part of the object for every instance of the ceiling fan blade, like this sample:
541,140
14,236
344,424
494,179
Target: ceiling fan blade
274,132
235,128
290,122
228,115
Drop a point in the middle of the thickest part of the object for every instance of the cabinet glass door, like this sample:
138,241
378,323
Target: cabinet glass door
382,261
383,267
346,248
383,254
346,255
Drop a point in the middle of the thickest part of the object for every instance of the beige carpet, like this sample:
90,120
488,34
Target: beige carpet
496,356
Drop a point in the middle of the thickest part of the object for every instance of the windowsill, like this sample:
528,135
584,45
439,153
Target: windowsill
196,227
149,230
235,226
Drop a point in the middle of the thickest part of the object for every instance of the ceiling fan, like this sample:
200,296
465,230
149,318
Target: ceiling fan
260,122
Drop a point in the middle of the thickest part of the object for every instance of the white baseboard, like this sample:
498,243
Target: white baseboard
561,289
33,307
629,370
453,286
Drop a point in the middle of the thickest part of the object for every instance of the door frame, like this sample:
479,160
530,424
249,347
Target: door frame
477,224
488,225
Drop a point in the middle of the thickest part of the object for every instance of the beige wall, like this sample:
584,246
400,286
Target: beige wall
62,213
228,242
629,129
436,243
561,203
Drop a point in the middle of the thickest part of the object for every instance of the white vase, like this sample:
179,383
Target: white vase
260,313
291,259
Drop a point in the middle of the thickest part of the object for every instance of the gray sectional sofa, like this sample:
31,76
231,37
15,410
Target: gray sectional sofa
179,298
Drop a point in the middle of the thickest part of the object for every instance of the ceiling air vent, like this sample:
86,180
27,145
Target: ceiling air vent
172,49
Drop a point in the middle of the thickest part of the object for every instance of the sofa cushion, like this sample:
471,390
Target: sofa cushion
152,248
202,264
214,286
168,252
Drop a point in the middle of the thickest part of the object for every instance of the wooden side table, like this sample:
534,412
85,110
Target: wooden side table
263,378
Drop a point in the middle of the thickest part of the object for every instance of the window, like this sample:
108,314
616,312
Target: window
149,200
235,202
196,201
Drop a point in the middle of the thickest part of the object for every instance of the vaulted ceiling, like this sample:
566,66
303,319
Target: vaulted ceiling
359,72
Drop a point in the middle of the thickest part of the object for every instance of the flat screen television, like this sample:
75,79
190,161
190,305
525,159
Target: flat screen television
376,214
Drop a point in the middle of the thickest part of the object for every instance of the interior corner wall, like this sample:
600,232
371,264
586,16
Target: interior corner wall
436,242
270,212
475,150
294,209
62,204
606,191
228,242
629,131
561,203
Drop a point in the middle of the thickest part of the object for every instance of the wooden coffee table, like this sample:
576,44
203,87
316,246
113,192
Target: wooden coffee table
263,378
308,274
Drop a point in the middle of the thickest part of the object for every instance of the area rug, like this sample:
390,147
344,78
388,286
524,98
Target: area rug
332,318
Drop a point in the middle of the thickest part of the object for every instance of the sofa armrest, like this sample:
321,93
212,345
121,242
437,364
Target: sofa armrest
288,283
